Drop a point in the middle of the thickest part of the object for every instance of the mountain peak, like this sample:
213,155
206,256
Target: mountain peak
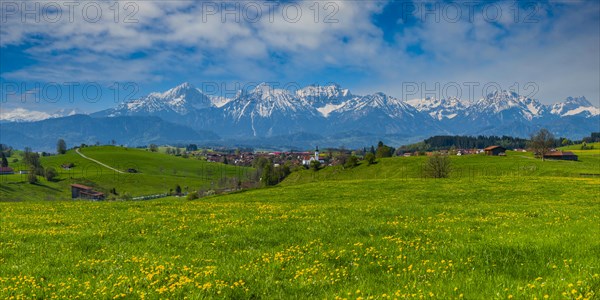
575,106
581,101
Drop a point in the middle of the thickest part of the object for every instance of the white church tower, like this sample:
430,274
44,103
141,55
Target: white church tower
317,154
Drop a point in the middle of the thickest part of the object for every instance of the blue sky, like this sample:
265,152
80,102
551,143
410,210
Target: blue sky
366,46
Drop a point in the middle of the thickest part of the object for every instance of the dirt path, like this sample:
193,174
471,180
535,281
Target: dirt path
102,164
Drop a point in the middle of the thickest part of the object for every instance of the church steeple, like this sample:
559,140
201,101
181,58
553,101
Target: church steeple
317,153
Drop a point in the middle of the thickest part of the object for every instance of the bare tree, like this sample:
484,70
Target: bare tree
438,166
541,142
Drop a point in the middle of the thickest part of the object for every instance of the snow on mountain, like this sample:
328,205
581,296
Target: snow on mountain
264,101
575,106
181,100
507,101
219,101
25,115
322,95
390,106
439,109
329,108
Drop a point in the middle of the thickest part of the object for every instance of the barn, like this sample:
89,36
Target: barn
85,192
560,155
495,150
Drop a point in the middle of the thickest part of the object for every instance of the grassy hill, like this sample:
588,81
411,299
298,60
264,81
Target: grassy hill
515,164
377,231
157,173
578,147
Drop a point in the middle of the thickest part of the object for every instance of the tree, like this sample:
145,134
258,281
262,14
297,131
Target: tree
31,176
370,158
383,150
61,146
541,142
351,162
438,166
32,159
225,161
178,190
315,165
50,174
267,177
153,148
4,160
565,142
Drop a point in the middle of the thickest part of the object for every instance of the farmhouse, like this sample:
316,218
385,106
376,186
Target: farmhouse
85,192
495,150
6,171
559,155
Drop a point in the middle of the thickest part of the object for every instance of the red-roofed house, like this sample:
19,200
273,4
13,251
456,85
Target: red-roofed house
6,171
495,150
559,155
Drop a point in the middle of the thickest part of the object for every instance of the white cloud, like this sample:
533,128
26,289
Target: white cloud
559,52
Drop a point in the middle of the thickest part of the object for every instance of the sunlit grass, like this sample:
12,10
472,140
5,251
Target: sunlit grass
381,238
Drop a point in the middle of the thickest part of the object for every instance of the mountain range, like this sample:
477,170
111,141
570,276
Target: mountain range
326,115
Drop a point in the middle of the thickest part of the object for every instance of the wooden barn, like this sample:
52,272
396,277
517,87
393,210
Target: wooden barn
6,171
559,155
495,150
79,191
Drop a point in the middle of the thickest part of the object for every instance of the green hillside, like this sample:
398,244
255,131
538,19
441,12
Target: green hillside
157,173
515,164
596,147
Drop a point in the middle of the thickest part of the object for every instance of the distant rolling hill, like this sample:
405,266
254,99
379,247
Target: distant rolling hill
157,173
78,129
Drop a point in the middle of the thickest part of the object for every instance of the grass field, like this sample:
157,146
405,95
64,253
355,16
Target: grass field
578,146
506,227
158,173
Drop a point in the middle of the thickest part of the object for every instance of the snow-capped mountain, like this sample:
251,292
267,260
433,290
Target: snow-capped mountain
25,115
507,113
578,106
507,105
179,100
331,110
267,111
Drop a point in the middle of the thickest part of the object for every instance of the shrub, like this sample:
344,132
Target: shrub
193,196
125,197
315,165
370,158
351,162
51,174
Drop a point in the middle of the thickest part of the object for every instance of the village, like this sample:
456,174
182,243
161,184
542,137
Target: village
333,157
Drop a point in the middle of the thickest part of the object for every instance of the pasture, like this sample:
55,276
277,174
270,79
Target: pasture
527,230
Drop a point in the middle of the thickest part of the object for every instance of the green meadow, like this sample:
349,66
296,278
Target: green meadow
157,173
498,228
